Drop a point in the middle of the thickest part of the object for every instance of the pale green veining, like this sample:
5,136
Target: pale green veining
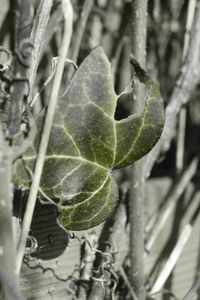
87,143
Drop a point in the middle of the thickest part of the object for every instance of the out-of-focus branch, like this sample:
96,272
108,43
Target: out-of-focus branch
180,146
127,283
55,22
23,48
9,284
185,85
81,25
37,37
163,214
98,290
193,290
78,35
175,254
7,247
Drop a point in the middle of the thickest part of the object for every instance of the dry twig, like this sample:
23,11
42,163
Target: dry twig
185,85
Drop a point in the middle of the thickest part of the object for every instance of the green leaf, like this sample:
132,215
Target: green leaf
87,143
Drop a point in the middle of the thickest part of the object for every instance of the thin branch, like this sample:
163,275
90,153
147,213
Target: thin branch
81,25
115,60
175,254
7,247
22,60
18,150
88,260
185,85
54,24
136,199
193,290
98,289
127,282
68,16
37,37
54,62
180,146
76,45
190,17
165,292
170,203
183,113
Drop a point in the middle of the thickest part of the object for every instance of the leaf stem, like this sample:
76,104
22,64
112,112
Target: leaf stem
68,16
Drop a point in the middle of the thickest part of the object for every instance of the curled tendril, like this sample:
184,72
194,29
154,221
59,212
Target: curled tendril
23,52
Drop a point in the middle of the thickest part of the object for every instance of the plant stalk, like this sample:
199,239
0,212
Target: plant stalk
136,199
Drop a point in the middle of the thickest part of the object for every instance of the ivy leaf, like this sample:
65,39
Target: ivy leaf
87,143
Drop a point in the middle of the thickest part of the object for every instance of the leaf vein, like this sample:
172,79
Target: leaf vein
139,131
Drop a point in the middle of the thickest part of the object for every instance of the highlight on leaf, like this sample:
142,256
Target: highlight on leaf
87,143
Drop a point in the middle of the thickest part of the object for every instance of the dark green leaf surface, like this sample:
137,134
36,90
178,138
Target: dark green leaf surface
87,143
